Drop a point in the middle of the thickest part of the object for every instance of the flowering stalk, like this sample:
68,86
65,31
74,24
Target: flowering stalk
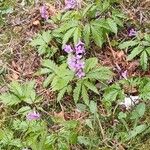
75,61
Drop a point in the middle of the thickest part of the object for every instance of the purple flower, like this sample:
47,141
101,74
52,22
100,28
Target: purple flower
43,12
70,4
79,64
75,63
80,49
72,63
80,73
132,32
124,74
68,49
33,116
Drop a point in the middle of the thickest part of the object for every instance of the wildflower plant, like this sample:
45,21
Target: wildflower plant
84,71
139,46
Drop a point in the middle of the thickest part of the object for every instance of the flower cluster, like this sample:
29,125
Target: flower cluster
43,12
132,32
75,61
70,4
33,116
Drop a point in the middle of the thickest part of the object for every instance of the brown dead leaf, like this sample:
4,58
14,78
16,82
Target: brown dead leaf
15,76
36,23
59,116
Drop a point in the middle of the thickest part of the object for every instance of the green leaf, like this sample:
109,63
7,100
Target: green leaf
93,107
128,44
89,123
85,95
139,129
84,140
145,91
76,92
148,50
139,111
42,71
147,37
16,88
46,35
136,51
100,73
86,34
113,25
49,64
76,35
86,10
90,86
71,124
98,39
48,80
105,5
113,93
122,115
24,110
67,36
61,94
144,60
9,99
90,64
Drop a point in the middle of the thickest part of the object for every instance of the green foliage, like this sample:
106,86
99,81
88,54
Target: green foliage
140,47
90,23
44,44
111,94
59,77
6,7
94,73
19,93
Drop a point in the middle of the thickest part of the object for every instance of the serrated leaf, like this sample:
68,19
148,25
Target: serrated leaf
76,92
67,36
76,35
112,25
24,110
148,50
86,10
42,71
16,88
85,95
28,87
86,34
49,64
90,64
113,93
48,80
100,73
46,35
144,60
98,39
90,86
128,44
137,50
61,94
9,99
